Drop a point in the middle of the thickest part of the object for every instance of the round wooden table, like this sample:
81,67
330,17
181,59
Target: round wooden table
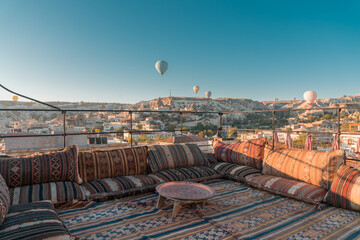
183,193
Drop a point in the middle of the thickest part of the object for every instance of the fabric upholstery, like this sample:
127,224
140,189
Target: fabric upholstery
112,163
4,199
56,192
174,156
345,189
211,158
33,221
249,153
200,173
353,163
104,189
314,167
237,172
289,188
41,168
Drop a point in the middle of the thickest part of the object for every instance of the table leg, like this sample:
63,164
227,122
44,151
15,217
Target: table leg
160,201
176,208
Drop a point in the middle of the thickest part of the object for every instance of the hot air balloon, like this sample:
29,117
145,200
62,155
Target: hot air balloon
161,66
310,97
196,88
15,98
208,94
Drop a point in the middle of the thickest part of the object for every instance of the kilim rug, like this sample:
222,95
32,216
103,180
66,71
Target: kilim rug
235,212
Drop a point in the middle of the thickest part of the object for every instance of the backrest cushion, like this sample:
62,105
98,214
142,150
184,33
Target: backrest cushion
41,168
4,199
249,153
174,156
314,167
345,189
112,163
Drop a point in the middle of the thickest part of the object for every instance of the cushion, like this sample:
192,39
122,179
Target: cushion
56,192
4,199
112,163
289,188
345,189
353,163
41,168
237,172
199,173
314,167
211,158
33,221
104,189
249,153
174,156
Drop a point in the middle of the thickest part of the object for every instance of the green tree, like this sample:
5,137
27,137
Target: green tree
232,132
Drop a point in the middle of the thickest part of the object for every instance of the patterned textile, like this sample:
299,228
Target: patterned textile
33,221
211,158
56,192
345,189
289,188
174,156
41,168
4,199
237,172
235,212
112,163
104,189
196,174
353,163
249,153
314,167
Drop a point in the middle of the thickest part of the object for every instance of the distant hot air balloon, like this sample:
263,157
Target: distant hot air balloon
310,97
161,66
196,88
208,94
15,98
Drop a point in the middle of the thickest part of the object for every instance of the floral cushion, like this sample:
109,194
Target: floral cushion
112,163
289,188
4,199
56,192
33,221
200,173
108,188
163,157
41,168
237,172
314,167
249,153
345,189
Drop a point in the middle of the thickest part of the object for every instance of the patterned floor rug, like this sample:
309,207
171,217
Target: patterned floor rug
235,212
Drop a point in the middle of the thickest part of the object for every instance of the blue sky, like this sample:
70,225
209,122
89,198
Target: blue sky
105,51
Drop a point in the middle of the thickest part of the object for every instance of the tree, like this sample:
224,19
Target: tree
139,126
232,132
119,134
144,138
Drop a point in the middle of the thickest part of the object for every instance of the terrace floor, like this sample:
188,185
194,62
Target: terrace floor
235,212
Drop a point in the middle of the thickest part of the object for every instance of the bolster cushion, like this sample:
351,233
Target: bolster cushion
237,172
4,199
345,189
249,153
174,156
314,167
113,163
41,168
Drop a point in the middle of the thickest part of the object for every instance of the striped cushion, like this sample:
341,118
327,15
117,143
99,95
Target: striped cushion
33,221
41,168
112,163
174,156
56,192
200,173
104,189
314,167
4,199
211,158
289,188
345,189
249,153
237,172
353,163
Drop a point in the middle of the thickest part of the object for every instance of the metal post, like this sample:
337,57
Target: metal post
339,128
181,125
273,128
131,129
220,124
64,127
